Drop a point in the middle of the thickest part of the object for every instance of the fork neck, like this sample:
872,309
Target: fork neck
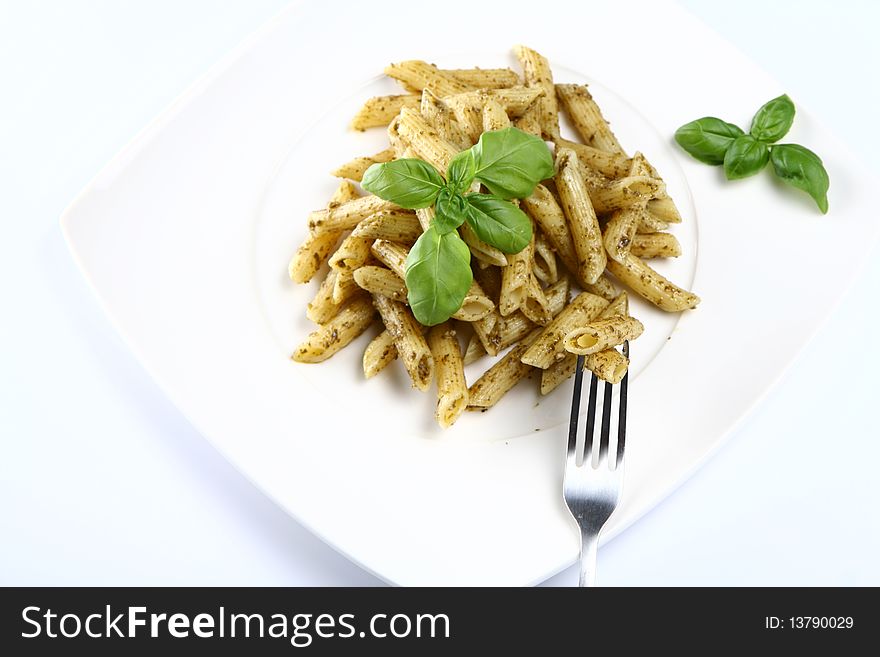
589,553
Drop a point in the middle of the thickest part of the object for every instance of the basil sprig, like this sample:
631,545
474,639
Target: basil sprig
509,163
713,141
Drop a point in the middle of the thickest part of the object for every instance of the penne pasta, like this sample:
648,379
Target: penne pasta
576,204
476,305
602,334
655,245
484,78
602,288
355,169
545,211
391,255
344,286
378,112
337,333
494,116
649,223
544,260
442,119
425,140
501,377
484,329
351,254
529,122
664,209
347,215
650,285
379,354
419,75
321,308
609,365
620,229
548,347
480,250
452,391
474,351
399,226
536,307
628,192
378,280
609,164
412,349
537,73
316,248
587,118
515,280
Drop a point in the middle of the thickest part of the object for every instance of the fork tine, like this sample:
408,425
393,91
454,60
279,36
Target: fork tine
591,421
621,418
605,434
575,408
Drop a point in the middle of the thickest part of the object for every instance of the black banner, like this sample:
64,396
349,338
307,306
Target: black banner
113,621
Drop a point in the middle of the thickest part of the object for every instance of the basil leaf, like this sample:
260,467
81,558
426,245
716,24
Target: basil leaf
745,157
511,162
499,223
707,139
450,211
773,120
409,182
438,276
461,170
802,168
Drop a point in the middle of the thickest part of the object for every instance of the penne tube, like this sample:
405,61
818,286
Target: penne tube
392,255
537,73
544,260
484,329
468,107
337,333
420,75
395,226
620,229
355,169
650,285
611,165
649,223
602,334
536,307
576,204
529,122
351,254
494,116
627,192
489,279
515,279
468,112
474,351
587,118
512,328
452,391
379,354
321,308
378,112
545,211
480,250
484,78
557,296
663,209
425,216
442,119
344,286
316,248
655,245
501,377
412,349
425,140
378,280
548,347
602,288
347,215
609,365
476,305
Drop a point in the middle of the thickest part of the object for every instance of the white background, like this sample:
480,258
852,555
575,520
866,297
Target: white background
103,482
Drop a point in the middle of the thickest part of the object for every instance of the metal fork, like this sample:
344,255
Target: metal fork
591,487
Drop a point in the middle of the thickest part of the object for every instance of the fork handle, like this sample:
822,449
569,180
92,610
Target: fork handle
589,552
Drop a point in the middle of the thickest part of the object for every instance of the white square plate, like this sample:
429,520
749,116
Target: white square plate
185,238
